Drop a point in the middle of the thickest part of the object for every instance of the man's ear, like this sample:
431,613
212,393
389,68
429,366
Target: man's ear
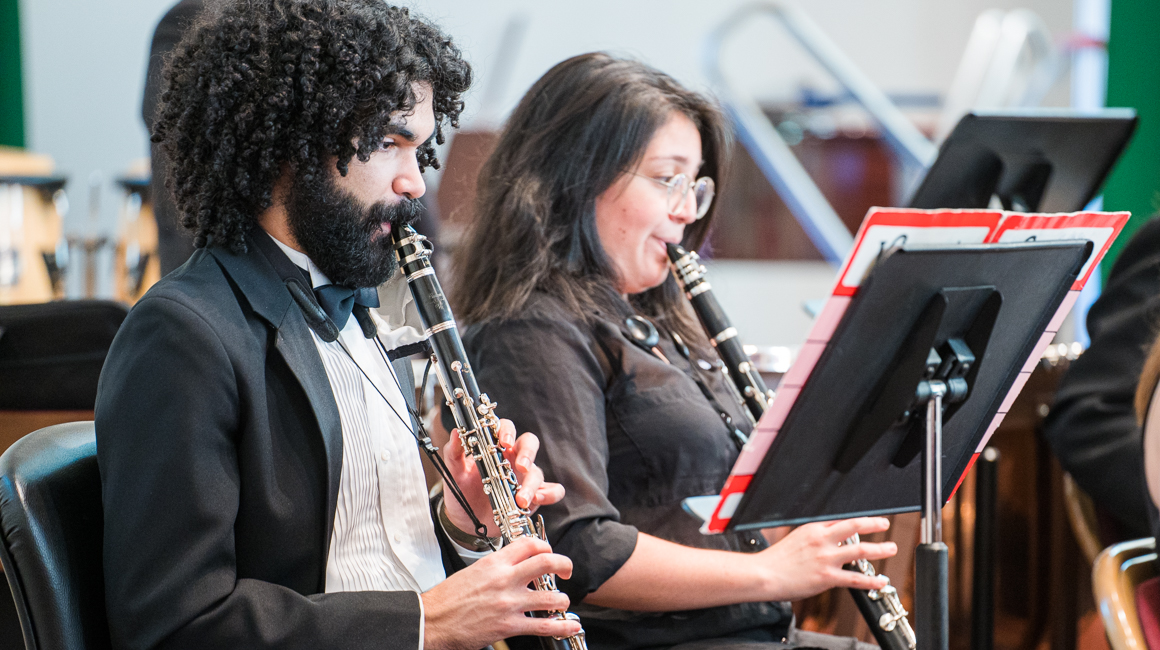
275,219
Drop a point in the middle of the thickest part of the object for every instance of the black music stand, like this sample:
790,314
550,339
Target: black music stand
916,370
1033,160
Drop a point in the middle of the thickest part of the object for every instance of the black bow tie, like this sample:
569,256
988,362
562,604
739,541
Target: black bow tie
338,301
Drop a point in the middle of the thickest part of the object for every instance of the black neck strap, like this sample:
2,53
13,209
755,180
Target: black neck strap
297,281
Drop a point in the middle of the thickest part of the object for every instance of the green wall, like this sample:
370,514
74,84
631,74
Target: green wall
1134,81
11,78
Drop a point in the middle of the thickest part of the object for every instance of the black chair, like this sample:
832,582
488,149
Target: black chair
51,354
52,526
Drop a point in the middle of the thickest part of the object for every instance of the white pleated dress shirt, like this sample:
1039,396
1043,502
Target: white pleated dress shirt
384,536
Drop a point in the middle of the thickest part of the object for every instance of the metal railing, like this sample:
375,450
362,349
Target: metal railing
770,151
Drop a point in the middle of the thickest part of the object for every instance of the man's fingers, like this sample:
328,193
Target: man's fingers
526,447
507,434
548,494
458,457
454,446
547,627
522,549
538,565
529,486
546,601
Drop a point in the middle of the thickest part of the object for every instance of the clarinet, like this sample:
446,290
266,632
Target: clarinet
474,412
881,608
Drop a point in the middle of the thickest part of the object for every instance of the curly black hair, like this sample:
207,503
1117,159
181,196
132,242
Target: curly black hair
259,87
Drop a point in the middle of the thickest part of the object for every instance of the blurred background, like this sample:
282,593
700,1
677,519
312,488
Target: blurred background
74,73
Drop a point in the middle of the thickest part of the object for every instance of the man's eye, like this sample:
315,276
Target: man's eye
387,144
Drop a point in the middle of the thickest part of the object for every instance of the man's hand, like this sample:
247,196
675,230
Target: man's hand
809,560
521,452
486,601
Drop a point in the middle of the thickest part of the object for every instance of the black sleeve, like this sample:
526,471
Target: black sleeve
1092,426
547,379
167,417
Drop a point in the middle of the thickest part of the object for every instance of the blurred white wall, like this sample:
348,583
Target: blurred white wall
84,61
905,46
766,301
84,71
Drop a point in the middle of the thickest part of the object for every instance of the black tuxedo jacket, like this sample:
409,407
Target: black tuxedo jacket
220,450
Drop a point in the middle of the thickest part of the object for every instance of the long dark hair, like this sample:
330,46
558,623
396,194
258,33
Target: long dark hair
580,128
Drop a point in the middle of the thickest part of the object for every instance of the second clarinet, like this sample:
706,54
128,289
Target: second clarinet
881,608
474,412
748,386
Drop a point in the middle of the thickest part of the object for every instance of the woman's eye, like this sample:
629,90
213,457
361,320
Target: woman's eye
387,144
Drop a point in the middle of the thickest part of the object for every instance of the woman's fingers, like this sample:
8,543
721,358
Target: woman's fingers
866,551
839,531
859,580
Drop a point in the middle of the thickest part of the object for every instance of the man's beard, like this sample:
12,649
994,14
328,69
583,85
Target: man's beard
343,237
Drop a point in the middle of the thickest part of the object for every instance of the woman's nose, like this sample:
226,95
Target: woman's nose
687,211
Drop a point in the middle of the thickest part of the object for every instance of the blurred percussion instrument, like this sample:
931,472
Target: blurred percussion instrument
33,251
137,266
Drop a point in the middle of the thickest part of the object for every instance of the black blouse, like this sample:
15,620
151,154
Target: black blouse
629,436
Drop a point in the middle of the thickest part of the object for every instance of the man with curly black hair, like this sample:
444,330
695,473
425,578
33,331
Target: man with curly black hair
261,481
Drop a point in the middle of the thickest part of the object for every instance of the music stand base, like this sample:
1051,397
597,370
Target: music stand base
931,614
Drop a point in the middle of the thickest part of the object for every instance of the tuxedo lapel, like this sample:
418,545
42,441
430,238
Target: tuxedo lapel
259,275
294,342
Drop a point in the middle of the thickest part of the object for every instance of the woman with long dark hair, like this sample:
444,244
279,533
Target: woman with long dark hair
603,162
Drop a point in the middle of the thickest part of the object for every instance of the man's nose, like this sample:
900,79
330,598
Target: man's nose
409,182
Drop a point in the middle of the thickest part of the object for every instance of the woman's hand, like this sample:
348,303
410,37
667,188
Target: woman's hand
809,560
661,576
533,492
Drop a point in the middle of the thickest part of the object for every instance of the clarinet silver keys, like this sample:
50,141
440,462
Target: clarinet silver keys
880,607
883,609
474,412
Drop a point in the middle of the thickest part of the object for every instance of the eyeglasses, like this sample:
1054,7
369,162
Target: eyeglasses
679,186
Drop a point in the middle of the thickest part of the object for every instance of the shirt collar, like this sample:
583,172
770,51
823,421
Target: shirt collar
397,317
302,261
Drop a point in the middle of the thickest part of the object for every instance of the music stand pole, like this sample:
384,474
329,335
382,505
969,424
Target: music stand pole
931,612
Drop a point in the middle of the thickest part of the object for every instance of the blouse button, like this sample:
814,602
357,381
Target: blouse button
398,538
386,455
